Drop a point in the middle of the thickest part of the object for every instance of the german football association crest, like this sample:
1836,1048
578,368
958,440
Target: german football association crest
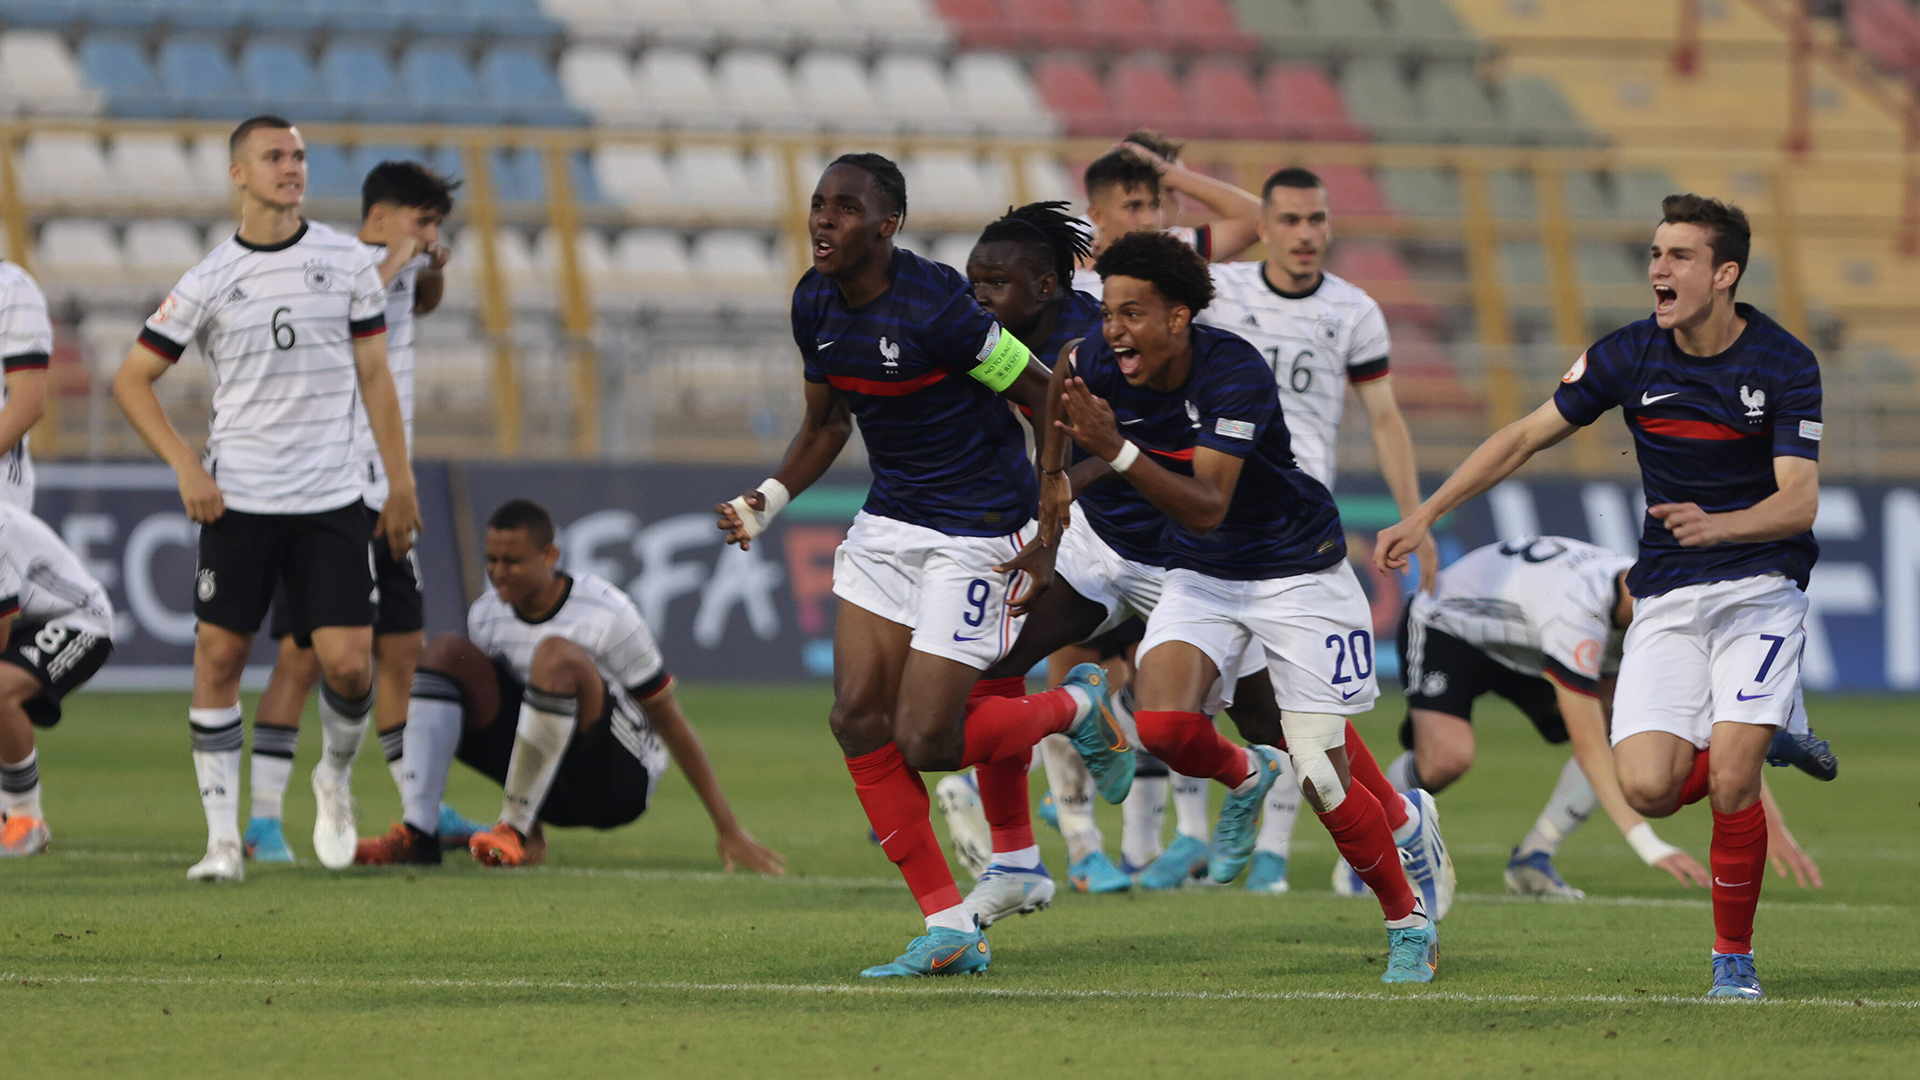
319,276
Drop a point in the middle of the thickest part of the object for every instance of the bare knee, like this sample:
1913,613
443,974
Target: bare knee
450,653
1731,788
859,729
1442,763
561,667
1649,796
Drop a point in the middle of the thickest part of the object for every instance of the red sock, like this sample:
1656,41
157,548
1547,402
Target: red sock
1191,746
1738,855
1366,773
1003,784
897,807
1002,728
1695,787
1360,831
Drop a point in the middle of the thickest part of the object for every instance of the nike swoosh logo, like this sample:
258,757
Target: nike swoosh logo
1731,884
1348,695
944,961
1135,420
818,345
1741,695
889,836
1648,399
957,637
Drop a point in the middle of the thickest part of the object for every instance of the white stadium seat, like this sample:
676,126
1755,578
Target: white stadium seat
902,24
603,20
589,244
208,158
734,257
651,252
671,21
599,79
76,247
953,249
38,73
1047,179
163,249
810,23
154,166
747,23
833,89
632,175
675,89
993,91
756,91
946,182
718,179
62,165
913,90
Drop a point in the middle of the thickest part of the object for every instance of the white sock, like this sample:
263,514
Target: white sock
1190,806
1410,826
1253,772
1026,858
1414,919
432,736
20,786
546,723
216,765
272,765
1569,807
953,918
1401,773
1143,818
343,727
393,747
1283,809
1072,787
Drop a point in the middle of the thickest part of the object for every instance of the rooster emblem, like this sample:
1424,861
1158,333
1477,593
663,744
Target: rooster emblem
1754,400
890,352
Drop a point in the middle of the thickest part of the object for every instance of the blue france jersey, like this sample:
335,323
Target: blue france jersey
1281,522
946,451
1079,318
1706,429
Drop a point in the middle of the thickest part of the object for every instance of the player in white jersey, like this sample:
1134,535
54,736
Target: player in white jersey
558,692
402,206
56,629
26,341
1139,184
291,316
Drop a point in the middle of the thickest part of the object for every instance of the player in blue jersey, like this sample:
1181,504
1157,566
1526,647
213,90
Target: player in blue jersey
1724,407
898,343
1256,566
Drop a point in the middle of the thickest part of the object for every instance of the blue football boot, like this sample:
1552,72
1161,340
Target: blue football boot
1095,873
1239,822
266,841
1183,858
1413,955
1268,874
454,831
939,951
1734,977
1803,751
1049,813
1098,736
1533,874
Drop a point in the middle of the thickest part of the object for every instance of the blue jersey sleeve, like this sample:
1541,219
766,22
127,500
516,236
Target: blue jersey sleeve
1238,404
1796,420
955,335
803,323
1586,390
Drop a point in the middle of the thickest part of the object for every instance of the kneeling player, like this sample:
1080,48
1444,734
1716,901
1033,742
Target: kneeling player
56,629
557,693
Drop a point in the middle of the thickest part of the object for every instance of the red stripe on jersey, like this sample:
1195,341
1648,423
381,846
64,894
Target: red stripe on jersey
26,362
1697,429
370,331
1173,455
885,389
1565,683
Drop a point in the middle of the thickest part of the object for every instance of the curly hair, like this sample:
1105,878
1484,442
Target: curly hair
1171,265
886,176
1048,227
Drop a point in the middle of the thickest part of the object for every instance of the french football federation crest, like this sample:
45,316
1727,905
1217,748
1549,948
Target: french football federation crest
890,351
1755,401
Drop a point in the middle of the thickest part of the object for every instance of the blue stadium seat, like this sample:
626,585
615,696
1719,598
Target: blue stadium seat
518,175
437,81
39,14
117,64
435,18
328,173
448,161
279,78
357,78
512,18
518,81
114,14
195,72
301,16
362,159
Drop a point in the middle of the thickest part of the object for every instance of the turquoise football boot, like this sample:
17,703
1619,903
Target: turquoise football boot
1413,955
1095,873
1268,874
939,951
1239,822
454,830
266,841
1098,736
1183,858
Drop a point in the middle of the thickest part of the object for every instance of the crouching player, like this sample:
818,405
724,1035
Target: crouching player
558,694
56,630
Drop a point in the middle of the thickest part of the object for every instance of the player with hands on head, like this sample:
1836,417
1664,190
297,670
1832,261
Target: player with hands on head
1724,408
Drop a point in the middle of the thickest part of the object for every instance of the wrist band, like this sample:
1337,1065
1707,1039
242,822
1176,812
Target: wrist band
1649,847
756,521
1124,460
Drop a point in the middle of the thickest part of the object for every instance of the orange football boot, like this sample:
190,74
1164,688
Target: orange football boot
502,845
403,845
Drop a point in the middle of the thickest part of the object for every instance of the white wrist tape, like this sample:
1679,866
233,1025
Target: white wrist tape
1124,460
1649,847
756,521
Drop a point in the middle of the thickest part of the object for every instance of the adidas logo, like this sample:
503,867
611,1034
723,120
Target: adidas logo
236,295
1250,320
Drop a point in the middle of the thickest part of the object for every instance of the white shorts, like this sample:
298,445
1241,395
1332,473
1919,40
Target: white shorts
1106,577
944,587
1313,631
16,476
1706,654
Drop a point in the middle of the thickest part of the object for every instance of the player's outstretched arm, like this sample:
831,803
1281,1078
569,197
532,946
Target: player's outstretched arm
26,404
133,390
1587,725
1393,449
824,429
400,518
1789,511
1783,851
737,846
1197,503
1491,462
1235,223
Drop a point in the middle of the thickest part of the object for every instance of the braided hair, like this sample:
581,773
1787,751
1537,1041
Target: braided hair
886,176
1046,225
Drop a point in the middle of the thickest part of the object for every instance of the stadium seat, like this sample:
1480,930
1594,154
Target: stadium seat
1343,25
901,24
1279,24
1045,24
1120,25
39,75
515,80
162,249
1588,195
1202,26
277,73
63,165
1306,105
207,160
1073,93
756,92
597,20
117,64
978,23
717,180
1510,192
995,93
1454,107
675,90
599,79
431,17
1522,262
1430,28
79,248
1144,93
195,73
436,80
510,18
1539,115
734,258
954,184
655,252
1422,192
1639,191
511,250
1350,190
822,23
1379,100
518,175
328,173
357,77
362,158
145,166
590,246
633,176
953,249
1047,180
1223,103
833,88
912,89
1602,263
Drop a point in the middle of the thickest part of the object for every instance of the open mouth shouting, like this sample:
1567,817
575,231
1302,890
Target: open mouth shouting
1664,299
822,248
1128,359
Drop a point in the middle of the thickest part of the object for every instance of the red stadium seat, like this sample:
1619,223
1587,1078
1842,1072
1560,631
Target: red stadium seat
1375,266
1074,94
1308,106
1224,104
1203,26
1144,94
1047,24
1888,31
978,23
1351,190
1121,25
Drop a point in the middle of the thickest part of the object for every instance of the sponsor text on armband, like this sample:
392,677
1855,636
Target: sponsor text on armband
1811,429
1001,360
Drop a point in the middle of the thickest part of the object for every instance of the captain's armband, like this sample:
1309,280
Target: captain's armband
1001,360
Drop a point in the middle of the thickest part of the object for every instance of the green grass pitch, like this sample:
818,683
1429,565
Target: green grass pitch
629,955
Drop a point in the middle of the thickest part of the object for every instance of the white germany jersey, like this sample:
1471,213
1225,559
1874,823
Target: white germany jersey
42,581
26,341
1200,239
1538,605
1316,344
601,619
400,293
277,326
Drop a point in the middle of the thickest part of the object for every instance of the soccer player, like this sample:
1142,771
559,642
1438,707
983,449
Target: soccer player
26,341
402,205
56,630
558,692
292,319
1128,188
1320,333
1187,415
899,343
1724,407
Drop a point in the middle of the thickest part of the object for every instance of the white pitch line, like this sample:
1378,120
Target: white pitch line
953,989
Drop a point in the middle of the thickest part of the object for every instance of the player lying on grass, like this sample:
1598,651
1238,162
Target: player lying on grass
899,343
402,205
56,630
1255,561
558,693
1724,407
